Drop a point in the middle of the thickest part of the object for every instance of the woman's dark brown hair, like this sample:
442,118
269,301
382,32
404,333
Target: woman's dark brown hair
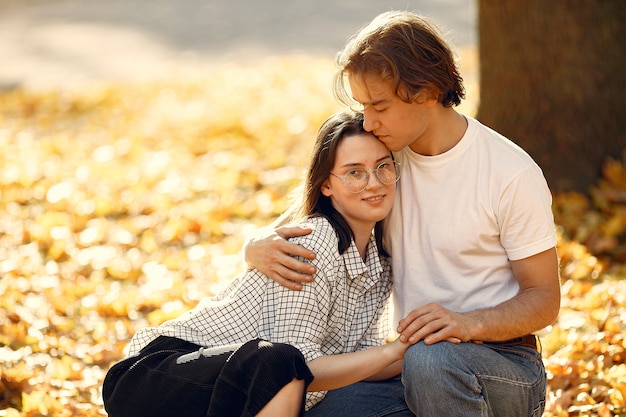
314,203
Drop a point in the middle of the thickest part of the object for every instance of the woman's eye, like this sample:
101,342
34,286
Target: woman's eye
355,173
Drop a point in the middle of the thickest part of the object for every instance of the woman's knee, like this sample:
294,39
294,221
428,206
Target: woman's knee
273,356
281,351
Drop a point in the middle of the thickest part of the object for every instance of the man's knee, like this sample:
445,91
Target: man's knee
422,361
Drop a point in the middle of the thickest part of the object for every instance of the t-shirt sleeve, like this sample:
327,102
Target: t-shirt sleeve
526,214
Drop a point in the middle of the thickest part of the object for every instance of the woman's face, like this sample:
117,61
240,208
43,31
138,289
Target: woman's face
360,209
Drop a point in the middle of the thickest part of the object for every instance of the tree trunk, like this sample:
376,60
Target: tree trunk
553,80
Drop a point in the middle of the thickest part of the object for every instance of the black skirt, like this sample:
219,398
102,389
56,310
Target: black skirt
159,383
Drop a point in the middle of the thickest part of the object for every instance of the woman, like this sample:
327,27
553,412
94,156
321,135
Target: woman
256,348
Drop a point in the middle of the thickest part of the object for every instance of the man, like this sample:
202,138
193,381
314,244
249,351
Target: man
471,236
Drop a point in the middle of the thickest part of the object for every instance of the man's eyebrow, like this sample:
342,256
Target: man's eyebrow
373,103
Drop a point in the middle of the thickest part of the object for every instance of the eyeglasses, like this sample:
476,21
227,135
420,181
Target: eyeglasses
356,180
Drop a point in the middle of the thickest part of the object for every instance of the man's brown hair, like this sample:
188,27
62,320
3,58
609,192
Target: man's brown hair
407,50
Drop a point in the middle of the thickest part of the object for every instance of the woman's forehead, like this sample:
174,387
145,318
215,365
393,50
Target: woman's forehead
361,145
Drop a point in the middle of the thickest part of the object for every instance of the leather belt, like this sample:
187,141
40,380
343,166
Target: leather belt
529,340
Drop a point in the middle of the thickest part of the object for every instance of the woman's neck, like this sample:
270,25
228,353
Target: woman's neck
361,240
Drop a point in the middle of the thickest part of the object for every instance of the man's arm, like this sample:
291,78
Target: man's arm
273,255
533,308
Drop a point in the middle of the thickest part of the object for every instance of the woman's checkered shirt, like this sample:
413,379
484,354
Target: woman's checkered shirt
343,310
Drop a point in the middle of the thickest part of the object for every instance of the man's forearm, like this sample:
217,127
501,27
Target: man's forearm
526,313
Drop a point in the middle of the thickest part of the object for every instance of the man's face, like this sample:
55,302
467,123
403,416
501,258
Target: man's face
395,122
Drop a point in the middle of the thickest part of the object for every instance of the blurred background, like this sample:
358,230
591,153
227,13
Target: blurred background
142,140
51,43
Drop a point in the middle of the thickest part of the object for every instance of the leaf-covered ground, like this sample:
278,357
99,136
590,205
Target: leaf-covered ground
122,205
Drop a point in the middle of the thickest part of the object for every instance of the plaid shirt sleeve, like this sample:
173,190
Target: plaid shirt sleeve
300,317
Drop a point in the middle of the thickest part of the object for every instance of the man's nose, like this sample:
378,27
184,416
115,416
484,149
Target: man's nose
370,123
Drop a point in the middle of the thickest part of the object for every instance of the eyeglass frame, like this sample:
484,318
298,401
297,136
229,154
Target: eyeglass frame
343,179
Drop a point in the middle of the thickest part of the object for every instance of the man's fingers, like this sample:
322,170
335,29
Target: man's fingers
296,266
292,285
413,333
291,269
423,327
286,232
297,250
280,259
289,278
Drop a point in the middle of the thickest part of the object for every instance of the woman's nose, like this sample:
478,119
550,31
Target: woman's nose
372,179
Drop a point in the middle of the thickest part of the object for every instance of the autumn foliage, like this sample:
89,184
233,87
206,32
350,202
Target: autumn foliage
122,205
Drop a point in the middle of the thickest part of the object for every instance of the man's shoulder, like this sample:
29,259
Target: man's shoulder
499,151
493,139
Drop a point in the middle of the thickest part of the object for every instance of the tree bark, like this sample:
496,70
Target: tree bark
553,80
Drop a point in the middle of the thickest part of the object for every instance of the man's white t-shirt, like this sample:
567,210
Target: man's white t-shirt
460,216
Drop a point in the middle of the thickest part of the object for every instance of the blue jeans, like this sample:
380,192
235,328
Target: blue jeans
471,380
364,399
444,379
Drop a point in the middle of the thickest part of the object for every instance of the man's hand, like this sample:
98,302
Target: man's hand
433,323
273,255
534,307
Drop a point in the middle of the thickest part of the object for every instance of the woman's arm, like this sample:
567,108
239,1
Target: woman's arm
305,319
375,363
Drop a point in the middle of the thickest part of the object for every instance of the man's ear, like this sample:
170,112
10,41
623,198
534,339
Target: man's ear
427,95
326,190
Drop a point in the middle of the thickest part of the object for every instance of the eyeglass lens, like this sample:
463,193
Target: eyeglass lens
357,180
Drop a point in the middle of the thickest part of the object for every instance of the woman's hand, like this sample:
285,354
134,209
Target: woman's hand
398,348
273,255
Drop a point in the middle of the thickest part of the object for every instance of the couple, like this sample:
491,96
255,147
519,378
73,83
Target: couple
472,245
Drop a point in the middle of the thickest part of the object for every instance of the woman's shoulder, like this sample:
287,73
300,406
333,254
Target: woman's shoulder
322,240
